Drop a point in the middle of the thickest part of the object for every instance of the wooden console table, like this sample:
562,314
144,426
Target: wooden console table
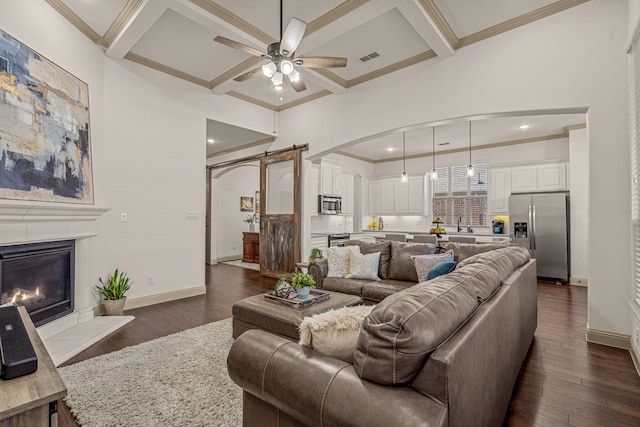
31,400
251,247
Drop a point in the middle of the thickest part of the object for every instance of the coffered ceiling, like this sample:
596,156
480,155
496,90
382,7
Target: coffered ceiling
176,36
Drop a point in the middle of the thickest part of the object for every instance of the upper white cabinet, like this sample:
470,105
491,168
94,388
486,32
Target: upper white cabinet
313,189
499,190
546,177
552,177
347,193
524,179
390,196
330,179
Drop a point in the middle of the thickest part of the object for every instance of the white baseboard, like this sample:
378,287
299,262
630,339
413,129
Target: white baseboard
157,298
226,258
611,339
635,356
578,281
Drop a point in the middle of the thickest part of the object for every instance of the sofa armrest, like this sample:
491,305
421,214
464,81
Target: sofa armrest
318,269
319,390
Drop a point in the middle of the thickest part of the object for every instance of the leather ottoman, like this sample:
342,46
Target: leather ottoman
258,312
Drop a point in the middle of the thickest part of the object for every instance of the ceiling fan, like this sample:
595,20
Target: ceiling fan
281,55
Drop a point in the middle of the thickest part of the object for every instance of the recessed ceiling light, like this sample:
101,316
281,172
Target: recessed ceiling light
211,140
525,126
389,149
278,87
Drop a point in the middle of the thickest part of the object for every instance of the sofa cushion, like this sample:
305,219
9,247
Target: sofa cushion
363,266
334,332
406,327
465,250
401,267
368,248
338,260
424,263
346,286
443,267
377,291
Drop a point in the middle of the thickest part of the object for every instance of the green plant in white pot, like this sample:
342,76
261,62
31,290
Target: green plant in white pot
303,282
113,290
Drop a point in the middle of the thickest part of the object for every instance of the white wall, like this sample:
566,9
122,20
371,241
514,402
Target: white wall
575,59
148,145
228,222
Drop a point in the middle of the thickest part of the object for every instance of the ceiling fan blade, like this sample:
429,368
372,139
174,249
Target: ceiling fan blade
320,62
292,36
249,74
298,85
243,47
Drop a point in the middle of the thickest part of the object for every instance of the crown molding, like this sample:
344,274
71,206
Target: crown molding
252,100
166,69
333,15
263,141
74,19
519,21
125,16
304,100
424,56
442,24
237,70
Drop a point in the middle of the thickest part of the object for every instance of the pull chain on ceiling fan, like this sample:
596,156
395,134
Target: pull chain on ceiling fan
281,54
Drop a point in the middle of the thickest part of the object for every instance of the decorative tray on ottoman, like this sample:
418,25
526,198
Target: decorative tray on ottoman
296,301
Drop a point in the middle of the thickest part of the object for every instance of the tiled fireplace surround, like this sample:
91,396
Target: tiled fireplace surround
31,222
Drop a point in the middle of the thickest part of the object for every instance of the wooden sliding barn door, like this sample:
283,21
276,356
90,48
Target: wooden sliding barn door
280,211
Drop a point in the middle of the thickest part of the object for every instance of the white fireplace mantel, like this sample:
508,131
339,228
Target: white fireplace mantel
25,221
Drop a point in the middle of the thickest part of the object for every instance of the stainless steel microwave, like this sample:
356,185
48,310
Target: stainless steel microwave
329,205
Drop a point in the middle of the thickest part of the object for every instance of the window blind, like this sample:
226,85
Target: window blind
458,196
635,162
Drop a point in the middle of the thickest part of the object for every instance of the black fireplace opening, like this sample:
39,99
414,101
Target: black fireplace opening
40,277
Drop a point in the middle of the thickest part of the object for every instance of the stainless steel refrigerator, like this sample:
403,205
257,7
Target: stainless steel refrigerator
540,223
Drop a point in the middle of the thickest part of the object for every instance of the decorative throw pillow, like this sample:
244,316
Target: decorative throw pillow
443,267
401,267
334,332
424,263
363,266
338,260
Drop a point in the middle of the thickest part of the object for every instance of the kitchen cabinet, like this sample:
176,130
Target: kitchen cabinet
552,177
499,191
313,186
534,178
390,196
381,199
320,241
347,193
330,179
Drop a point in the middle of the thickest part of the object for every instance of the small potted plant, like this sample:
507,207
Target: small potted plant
303,282
113,290
250,219
315,253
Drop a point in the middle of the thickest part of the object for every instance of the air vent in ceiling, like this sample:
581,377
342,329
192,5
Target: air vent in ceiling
369,56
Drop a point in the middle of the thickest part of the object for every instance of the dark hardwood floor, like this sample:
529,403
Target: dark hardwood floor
564,380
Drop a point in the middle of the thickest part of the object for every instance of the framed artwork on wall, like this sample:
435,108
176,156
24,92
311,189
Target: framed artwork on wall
45,150
246,204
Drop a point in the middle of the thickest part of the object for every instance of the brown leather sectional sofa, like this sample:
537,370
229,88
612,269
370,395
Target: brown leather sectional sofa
446,352
395,270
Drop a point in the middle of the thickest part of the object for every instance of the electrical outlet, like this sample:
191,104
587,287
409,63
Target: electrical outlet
123,217
151,280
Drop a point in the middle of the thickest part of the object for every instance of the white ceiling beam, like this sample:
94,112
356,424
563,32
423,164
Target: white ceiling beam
309,75
136,28
425,27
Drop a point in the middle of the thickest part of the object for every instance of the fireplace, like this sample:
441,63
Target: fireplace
40,277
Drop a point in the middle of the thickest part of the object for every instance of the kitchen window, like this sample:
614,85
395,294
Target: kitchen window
455,195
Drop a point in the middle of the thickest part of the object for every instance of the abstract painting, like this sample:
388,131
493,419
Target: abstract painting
45,152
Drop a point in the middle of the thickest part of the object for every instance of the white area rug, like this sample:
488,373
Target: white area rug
177,380
238,263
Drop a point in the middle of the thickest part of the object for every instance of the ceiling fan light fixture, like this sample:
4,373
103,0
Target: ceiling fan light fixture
278,88
286,67
294,76
269,69
277,79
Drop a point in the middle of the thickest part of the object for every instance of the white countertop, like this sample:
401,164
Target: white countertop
454,233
